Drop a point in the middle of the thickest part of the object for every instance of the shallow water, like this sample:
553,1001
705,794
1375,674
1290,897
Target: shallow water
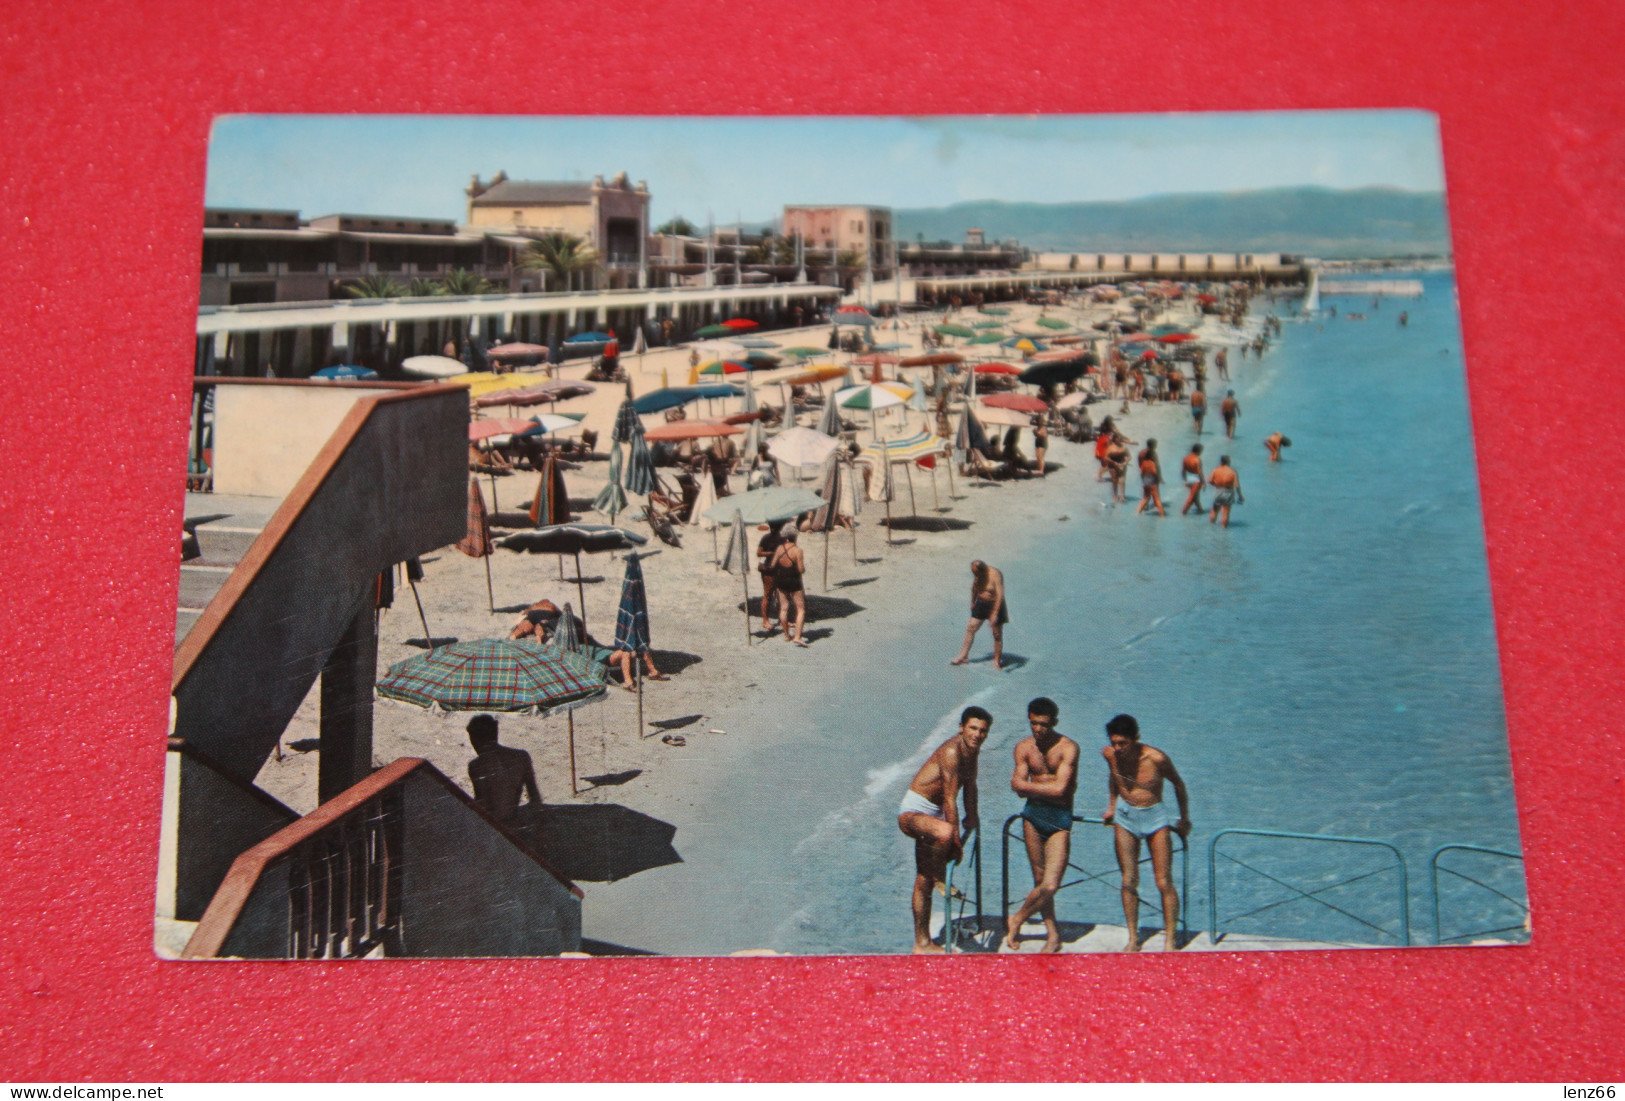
1327,665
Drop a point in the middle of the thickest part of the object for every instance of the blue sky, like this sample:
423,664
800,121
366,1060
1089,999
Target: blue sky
730,168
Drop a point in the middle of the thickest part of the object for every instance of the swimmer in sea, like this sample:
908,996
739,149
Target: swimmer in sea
1273,443
1046,775
930,814
1191,472
1134,806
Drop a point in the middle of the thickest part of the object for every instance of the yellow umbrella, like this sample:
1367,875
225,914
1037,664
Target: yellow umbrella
484,382
821,372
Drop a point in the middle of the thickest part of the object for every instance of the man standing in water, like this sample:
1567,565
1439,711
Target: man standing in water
1150,479
930,814
1046,776
1198,405
1135,807
986,603
1226,485
1230,409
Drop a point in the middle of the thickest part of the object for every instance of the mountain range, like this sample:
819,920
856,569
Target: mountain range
1313,221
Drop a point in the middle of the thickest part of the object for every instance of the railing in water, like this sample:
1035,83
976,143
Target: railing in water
1296,893
1434,868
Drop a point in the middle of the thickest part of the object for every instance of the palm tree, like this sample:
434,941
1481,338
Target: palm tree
376,286
850,258
463,281
422,288
562,255
678,226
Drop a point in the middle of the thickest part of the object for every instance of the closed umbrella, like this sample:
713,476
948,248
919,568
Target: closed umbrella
738,553
613,499
632,625
640,467
839,500
476,544
551,504
565,640
829,421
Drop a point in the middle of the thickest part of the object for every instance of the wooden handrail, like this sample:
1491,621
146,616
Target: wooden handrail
228,902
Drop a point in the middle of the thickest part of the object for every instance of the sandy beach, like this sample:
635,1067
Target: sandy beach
736,706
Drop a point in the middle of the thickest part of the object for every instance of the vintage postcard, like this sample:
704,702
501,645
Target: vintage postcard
816,536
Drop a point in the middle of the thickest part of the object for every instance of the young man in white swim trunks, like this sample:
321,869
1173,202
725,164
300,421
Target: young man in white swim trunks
930,814
1135,808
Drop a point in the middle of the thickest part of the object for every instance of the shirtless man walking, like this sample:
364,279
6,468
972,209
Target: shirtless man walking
1230,409
1191,471
930,814
1150,479
1134,806
1226,485
1046,775
986,603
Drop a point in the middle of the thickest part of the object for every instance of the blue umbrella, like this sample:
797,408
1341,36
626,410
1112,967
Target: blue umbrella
656,401
347,371
632,623
590,338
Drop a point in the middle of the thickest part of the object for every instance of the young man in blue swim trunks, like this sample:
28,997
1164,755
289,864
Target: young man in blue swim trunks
930,814
1046,776
1134,805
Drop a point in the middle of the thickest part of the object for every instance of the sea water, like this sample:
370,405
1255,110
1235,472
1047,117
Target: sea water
1326,666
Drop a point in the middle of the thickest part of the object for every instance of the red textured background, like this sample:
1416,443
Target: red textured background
106,116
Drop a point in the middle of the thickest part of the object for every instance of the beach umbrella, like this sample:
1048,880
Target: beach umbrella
534,353
988,338
829,421
691,430
853,315
1175,338
347,372
640,467
739,553
996,369
590,338
723,367
639,344
656,401
876,359
1052,372
706,498
761,361
750,418
476,544
987,324
1051,323
566,641
801,447
955,330
873,396
801,351
819,372
932,359
838,500
632,624
547,423
1072,400
740,324
995,311
1019,402
613,499
493,674
1136,338
765,506
574,539
486,428
1024,344
758,342
1007,418
710,331
432,367
551,505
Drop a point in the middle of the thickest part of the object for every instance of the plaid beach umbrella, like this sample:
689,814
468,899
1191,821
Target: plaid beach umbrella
640,468
491,674
613,499
627,424
632,619
551,504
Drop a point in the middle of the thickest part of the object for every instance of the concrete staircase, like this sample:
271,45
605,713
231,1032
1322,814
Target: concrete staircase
223,527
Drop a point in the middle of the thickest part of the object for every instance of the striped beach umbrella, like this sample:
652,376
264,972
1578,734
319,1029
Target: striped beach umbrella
491,674
613,499
551,504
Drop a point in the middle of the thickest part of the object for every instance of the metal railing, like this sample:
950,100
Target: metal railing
1433,874
344,884
1154,904
1297,893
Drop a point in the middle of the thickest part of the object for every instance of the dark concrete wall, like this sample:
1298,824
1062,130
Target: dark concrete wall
219,817
399,489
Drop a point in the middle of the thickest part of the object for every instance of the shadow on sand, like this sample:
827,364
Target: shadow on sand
613,779
675,724
431,643
927,523
818,607
603,842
